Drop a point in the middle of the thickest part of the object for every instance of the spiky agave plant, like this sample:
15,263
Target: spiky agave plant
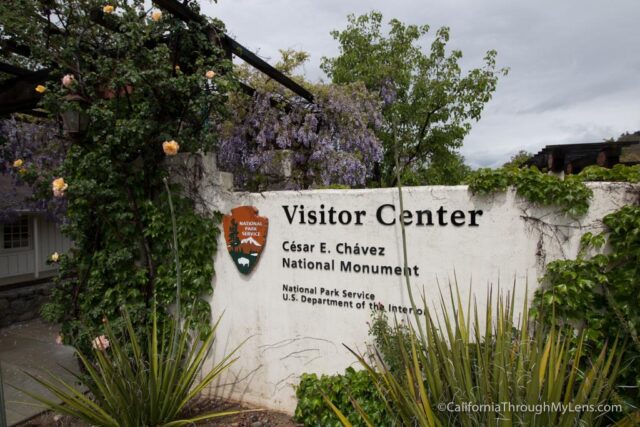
518,376
146,385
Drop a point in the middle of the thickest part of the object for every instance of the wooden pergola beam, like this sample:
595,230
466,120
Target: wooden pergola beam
18,94
13,70
187,15
11,46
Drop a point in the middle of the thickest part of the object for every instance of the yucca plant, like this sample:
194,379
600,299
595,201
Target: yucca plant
141,381
522,375
143,385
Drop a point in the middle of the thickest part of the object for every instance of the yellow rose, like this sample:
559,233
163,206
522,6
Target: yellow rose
210,74
170,148
59,187
156,15
40,89
59,184
55,257
18,163
108,9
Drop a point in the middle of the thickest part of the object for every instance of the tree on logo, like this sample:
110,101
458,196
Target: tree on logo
234,235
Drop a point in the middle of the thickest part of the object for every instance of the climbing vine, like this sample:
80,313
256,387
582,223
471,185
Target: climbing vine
599,290
619,173
570,194
148,86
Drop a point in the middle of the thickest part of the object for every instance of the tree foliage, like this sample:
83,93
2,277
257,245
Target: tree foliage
428,102
518,159
141,82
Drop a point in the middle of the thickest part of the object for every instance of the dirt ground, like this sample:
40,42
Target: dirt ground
259,418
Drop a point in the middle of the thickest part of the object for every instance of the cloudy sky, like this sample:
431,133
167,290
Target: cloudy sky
574,64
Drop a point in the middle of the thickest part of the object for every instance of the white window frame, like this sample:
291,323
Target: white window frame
30,231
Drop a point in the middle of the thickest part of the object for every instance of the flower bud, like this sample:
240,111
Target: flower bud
68,80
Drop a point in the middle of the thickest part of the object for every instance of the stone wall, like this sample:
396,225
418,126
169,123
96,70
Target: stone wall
23,303
311,290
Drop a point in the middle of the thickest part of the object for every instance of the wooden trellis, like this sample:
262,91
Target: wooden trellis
17,94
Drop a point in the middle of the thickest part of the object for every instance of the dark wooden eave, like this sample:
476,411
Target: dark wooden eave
13,70
8,45
572,158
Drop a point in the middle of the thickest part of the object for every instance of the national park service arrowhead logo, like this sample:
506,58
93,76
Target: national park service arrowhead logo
246,234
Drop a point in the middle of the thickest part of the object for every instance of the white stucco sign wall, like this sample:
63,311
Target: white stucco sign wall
332,256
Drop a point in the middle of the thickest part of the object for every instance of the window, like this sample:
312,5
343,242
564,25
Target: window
16,234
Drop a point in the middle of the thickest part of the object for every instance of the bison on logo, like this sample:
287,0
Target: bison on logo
246,234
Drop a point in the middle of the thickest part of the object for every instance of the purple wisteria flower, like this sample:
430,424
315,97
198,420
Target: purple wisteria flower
28,151
330,142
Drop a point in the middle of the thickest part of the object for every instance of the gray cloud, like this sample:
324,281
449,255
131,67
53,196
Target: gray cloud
574,65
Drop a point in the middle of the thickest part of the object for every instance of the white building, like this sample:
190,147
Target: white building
28,235
26,245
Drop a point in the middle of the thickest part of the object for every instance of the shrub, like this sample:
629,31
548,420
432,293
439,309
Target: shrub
354,385
388,337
